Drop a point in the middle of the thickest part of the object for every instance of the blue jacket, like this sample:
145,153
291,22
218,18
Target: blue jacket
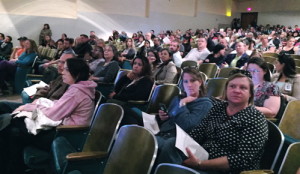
187,116
244,59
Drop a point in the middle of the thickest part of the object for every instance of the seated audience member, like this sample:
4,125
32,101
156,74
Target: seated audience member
136,85
48,42
24,62
6,48
153,59
19,49
217,56
157,44
96,58
233,133
286,77
129,52
2,37
225,43
166,71
54,91
239,59
140,41
106,71
200,53
186,110
289,48
174,48
75,107
143,50
68,43
266,94
54,60
83,48
265,45
147,37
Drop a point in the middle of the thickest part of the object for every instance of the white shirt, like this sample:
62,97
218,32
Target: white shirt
177,59
197,55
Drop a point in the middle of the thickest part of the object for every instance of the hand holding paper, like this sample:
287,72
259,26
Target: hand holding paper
183,141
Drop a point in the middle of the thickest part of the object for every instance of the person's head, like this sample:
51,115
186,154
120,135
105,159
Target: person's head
141,38
2,36
239,89
174,46
134,35
223,42
68,43
141,66
165,55
147,43
8,39
22,41
48,38
148,36
97,52
286,65
156,41
64,36
30,46
193,83
62,61
202,43
219,49
46,26
129,43
259,70
264,39
60,44
152,57
110,52
240,47
84,38
100,43
291,42
75,70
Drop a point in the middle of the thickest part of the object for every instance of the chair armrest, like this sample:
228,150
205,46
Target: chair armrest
274,120
86,155
72,127
258,172
34,75
139,102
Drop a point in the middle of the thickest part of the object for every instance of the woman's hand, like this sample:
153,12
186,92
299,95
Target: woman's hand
162,115
192,160
20,108
131,75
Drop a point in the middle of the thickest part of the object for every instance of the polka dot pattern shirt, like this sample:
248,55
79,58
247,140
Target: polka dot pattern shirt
240,137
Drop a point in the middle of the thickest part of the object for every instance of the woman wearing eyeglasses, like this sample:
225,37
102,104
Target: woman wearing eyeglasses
266,94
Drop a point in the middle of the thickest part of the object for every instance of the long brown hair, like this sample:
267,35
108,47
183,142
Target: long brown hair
33,47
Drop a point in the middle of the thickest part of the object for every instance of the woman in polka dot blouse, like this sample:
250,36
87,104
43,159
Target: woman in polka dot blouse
233,133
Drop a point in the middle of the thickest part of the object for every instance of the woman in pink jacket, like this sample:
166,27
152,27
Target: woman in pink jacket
75,107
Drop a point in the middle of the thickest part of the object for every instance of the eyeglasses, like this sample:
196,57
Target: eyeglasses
253,70
244,72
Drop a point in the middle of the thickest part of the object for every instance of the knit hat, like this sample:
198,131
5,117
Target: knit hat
217,48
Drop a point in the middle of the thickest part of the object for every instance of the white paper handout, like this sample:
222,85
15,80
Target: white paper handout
183,140
150,123
31,90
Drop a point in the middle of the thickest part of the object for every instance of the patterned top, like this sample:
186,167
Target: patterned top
264,91
240,137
